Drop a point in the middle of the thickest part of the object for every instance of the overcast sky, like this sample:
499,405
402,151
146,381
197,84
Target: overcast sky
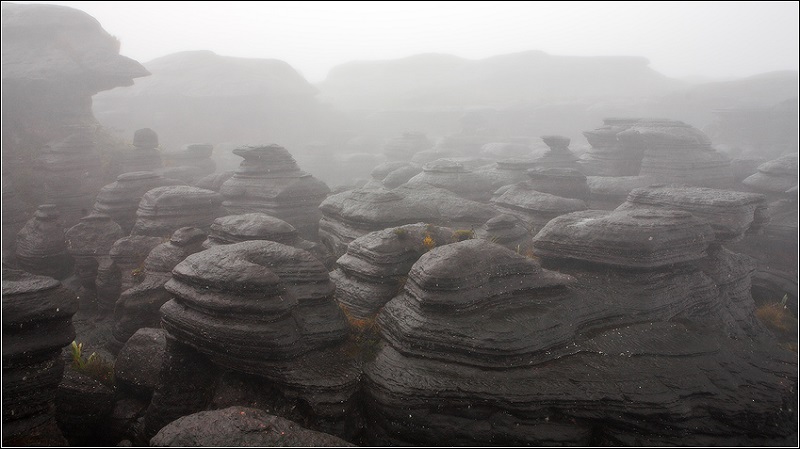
713,39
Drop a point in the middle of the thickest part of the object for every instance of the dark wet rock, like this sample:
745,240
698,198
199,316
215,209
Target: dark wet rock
83,406
507,172
607,156
138,306
41,247
506,230
534,208
163,210
196,157
240,426
349,215
88,242
607,193
125,418
268,311
269,181
404,147
258,226
504,352
121,269
674,152
214,181
120,199
559,155
451,175
139,361
70,171
564,182
37,324
375,266
775,177
144,156
730,214
639,238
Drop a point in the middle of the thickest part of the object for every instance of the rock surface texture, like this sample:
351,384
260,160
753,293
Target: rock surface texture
89,242
41,247
121,198
163,210
608,156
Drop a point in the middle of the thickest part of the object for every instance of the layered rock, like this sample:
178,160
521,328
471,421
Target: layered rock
268,311
257,226
674,152
121,269
214,181
506,230
138,306
508,171
394,174
564,182
607,156
120,199
193,162
404,147
37,324
139,361
83,405
163,210
349,215
505,150
144,156
269,181
240,426
41,247
451,175
775,177
559,155
375,266
88,242
607,192
70,169
534,208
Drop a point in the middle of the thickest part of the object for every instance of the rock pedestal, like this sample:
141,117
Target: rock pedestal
144,156
607,156
163,210
41,247
120,199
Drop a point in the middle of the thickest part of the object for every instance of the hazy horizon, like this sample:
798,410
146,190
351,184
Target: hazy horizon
708,40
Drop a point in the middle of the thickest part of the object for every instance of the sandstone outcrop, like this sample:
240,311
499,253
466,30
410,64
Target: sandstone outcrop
163,210
41,247
121,198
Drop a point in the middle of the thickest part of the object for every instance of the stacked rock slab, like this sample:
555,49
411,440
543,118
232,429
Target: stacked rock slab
349,215
534,208
266,309
451,175
121,269
506,230
41,248
70,172
138,306
674,152
607,156
163,210
564,182
607,193
775,177
499,351
393,174
375,266
507,172
559,155
145,155
269,181
37,324
213,181
88,242
257,226
120,199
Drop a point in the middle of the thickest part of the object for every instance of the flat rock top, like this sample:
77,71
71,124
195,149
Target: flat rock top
693,196
784,165
240,426
17,282
252,225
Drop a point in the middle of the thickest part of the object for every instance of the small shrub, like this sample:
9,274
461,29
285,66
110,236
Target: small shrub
428,242
95,366
463,234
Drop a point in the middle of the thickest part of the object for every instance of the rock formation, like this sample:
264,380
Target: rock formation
607,156
138,306
121,269
83,405
268,311
214,181
88,242
37,324
240,426
349,215
375,266
144,156
506,230
120,199
139,361
534,208
269,181
607,192
507,172
775,177
41,248
195,157
559,155
451,175
163,210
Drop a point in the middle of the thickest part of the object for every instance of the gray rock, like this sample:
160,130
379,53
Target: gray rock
41,247
534,208
451,175
607,156
120,199
775,177
163,210
138,363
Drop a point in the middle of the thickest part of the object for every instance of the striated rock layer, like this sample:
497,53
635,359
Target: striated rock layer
166,209
534,208
607,156
41,247
120,199
138,306
266,309
121,269
348,215
269,181
775,177
37,324
451,175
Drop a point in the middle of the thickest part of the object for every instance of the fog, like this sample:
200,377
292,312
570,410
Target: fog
708,40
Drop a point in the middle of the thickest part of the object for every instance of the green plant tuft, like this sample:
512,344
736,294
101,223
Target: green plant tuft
94,366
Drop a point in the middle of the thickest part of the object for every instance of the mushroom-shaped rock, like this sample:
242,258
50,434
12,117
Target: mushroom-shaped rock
506,230
41,247
534,208
269,181
121,198
559,155
144,156
776,176
451,175
166,209
507,172
607,156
